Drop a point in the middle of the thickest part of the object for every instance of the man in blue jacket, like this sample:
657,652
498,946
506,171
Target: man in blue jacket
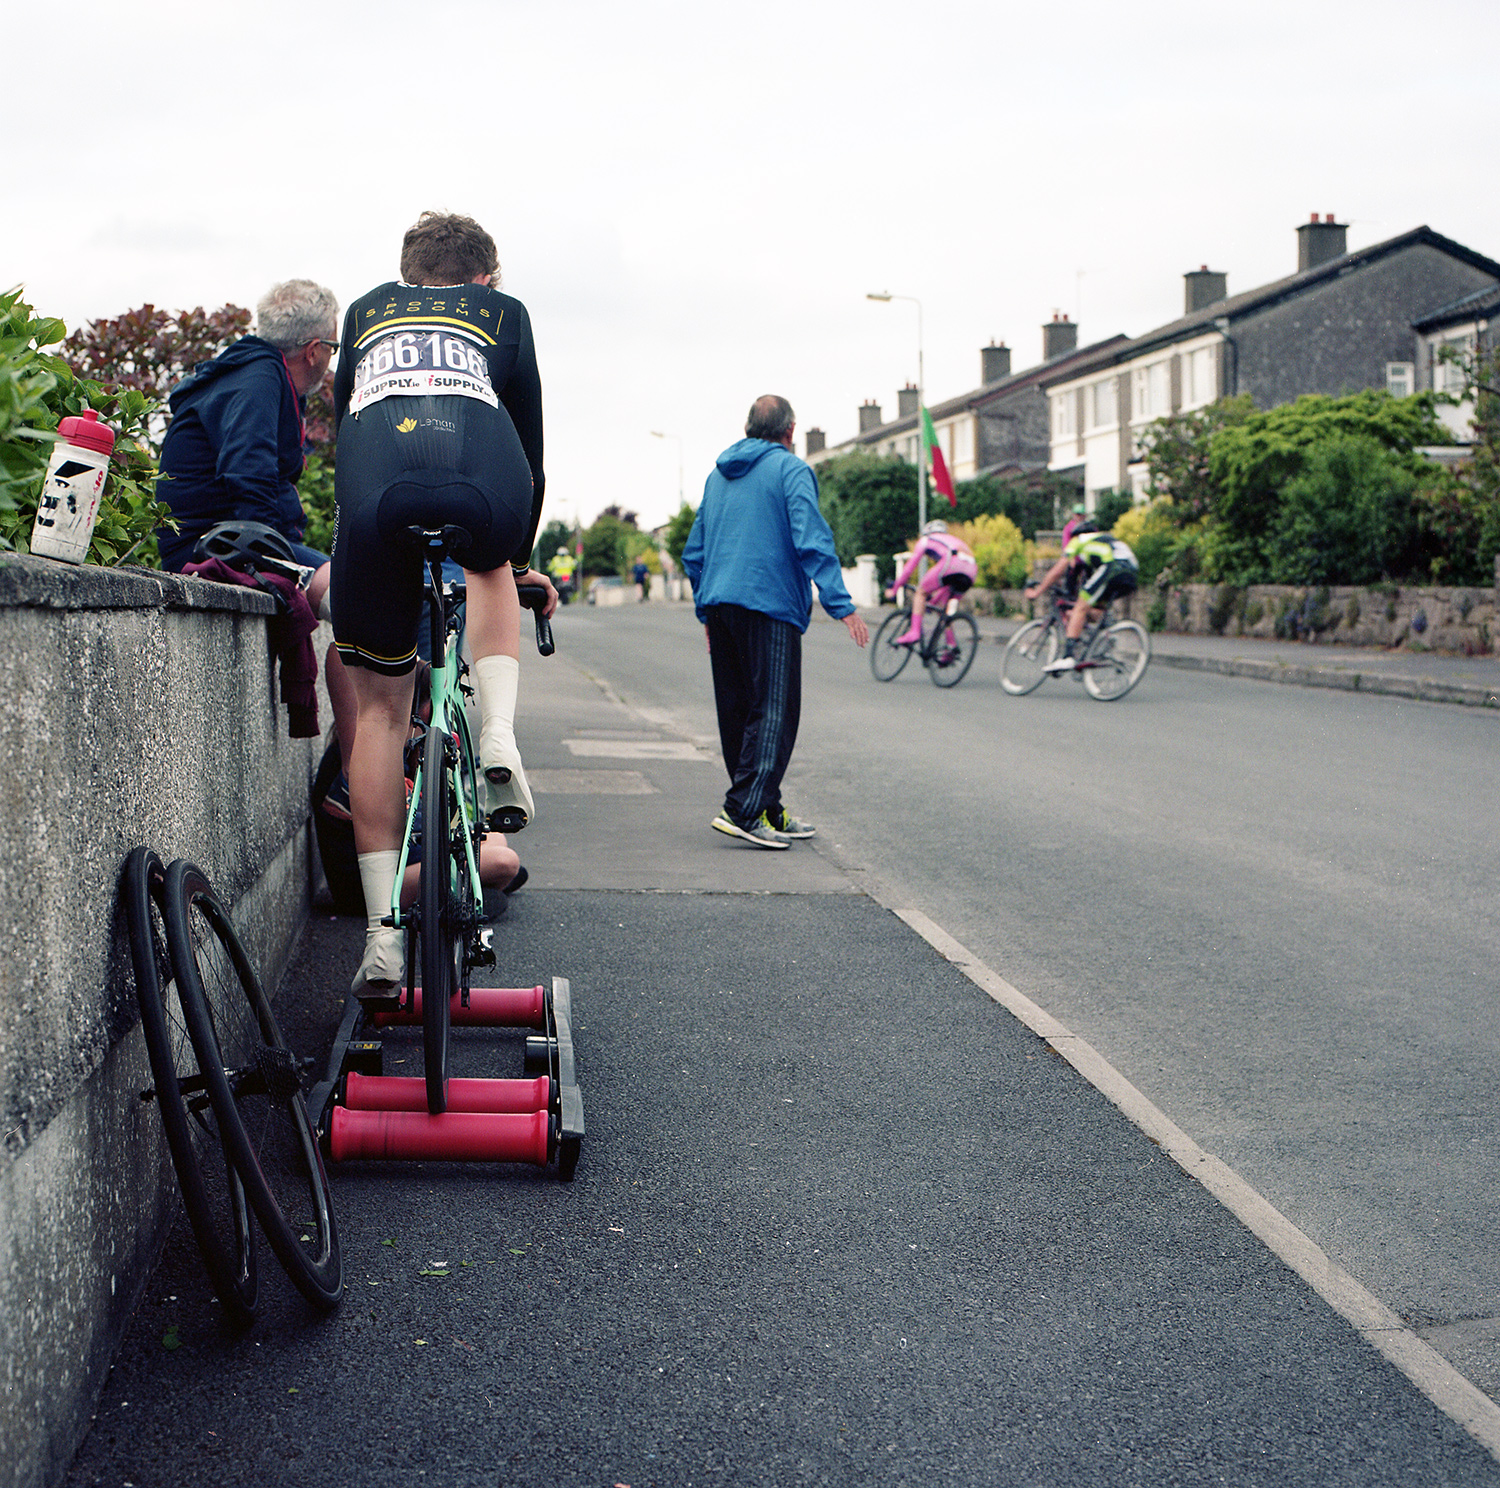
757,540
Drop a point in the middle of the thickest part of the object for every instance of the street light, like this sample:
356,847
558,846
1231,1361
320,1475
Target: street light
657,434
885,298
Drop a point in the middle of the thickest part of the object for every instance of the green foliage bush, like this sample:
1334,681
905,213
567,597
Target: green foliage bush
1000,552
38,389
677,532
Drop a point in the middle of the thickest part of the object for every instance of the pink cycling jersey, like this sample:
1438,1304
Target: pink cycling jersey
950,556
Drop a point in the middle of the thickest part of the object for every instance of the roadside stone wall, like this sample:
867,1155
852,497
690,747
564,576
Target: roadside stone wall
1460,620
138,707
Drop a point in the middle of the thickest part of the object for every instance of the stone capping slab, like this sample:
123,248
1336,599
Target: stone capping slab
45,583
1423,689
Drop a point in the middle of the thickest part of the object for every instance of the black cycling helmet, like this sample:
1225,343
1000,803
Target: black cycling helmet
246,545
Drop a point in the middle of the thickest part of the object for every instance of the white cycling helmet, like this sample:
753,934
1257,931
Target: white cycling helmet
932,527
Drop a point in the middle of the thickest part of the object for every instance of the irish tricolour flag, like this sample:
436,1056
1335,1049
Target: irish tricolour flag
940,477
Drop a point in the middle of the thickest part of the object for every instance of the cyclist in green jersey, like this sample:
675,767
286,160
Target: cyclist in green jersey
1108,570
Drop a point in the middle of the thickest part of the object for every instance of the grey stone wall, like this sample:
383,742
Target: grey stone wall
136,708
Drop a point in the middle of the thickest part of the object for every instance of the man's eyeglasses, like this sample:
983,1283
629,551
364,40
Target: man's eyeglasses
333,346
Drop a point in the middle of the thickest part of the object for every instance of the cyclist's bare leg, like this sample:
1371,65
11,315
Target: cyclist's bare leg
377,801
498,866
493,625
340,692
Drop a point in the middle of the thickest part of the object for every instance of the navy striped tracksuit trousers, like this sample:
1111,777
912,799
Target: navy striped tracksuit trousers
757,669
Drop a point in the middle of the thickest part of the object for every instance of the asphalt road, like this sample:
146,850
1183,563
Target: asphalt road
839,1217
1271,908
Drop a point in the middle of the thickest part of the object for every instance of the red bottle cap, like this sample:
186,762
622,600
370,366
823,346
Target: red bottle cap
85,430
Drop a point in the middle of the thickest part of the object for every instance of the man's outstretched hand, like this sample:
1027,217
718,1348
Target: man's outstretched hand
858,629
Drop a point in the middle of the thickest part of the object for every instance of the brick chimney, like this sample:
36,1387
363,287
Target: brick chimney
1059,336
817,442
994,362
907,401
869,416
1203,288
1318,242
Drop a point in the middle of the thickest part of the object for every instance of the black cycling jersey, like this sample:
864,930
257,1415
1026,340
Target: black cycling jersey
428,335
439,416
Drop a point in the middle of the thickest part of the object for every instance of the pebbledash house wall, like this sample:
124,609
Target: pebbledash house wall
137,708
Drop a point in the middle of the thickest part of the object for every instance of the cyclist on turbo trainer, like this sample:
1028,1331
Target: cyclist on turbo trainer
952,568
1107,569
438,408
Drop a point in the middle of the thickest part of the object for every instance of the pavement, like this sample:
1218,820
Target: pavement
849,1210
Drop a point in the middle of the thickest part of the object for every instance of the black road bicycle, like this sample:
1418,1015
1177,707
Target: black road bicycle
1112,658
950,640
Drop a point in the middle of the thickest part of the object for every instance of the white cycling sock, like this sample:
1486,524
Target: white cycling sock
377,872
497,679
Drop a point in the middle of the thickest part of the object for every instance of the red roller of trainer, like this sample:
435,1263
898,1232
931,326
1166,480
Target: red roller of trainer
408,1093
455,1136
489,1007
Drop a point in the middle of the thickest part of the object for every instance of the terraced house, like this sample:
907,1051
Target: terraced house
1344,321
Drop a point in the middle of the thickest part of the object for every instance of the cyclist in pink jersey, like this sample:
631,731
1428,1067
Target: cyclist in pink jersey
952,568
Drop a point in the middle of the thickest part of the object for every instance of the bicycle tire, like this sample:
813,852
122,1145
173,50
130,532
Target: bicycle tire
1124,650
212,1193
952,651
435,934
1027,655
253,1086
886,660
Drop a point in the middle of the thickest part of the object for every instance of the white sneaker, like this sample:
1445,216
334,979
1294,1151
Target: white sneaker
1062,664
383,970
507,798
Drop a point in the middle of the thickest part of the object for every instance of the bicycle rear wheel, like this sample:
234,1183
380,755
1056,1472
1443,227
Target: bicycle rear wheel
1116,661
253,1086
952,651
1030,650
887,660
211,1189
438,941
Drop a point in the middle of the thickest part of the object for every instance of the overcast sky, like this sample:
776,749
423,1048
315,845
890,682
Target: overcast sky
693,199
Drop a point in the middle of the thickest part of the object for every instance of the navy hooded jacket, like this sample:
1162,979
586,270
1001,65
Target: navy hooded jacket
233,449
759,537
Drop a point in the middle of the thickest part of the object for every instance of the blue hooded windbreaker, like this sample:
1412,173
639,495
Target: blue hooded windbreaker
233,449
759,537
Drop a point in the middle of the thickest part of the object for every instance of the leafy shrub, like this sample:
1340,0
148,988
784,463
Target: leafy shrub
999,550
677,532
1345,518
1110,506
38,390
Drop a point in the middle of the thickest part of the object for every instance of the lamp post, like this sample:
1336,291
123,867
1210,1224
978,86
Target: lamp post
657,434
886,298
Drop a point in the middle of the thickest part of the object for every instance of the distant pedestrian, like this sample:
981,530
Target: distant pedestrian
642,576
756,542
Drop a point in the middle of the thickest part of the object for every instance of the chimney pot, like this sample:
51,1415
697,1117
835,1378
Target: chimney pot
907,401
1320,242
1058,337
994,362
1203,287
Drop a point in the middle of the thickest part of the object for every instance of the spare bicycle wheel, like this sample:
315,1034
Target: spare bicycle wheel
210,1185
253,1085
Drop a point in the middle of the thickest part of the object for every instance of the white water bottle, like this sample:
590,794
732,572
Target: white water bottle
69,504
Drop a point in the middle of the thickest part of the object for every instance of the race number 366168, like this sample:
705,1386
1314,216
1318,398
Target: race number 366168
410,351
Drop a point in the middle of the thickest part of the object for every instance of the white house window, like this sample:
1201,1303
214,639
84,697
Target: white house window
963,442
1199,377
1151,389
1400,379
1062,415
1448,376
1102,405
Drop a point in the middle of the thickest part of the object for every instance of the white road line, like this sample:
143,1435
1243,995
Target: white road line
1432,1374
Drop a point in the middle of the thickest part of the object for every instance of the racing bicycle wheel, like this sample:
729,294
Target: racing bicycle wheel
441,946
886,659
1030,650
211,1189
253,1086
1116,661
952,650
